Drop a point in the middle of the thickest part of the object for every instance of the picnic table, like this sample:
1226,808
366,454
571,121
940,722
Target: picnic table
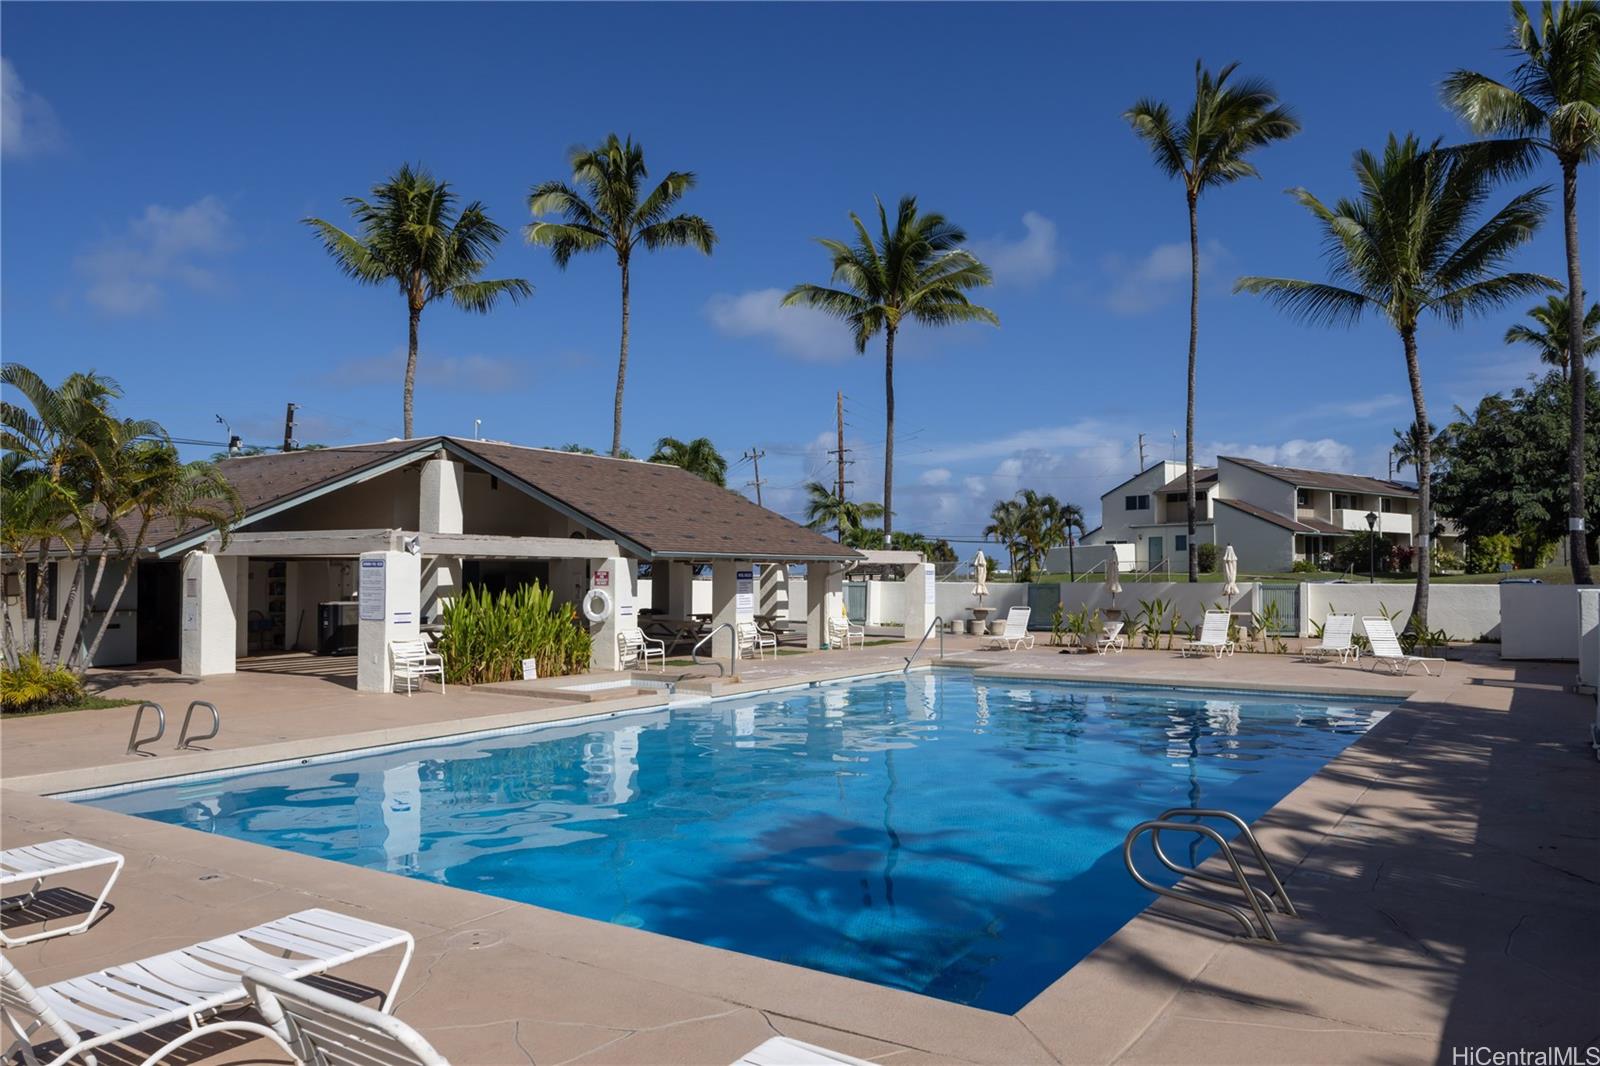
673,631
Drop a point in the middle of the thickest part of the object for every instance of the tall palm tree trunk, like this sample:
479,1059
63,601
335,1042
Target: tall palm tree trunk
888,433
622,368
1194,336
411,368
40,607
1419,609
1580,379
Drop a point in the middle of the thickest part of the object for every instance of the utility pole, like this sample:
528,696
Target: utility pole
838,453
1141,453
754,455
289,443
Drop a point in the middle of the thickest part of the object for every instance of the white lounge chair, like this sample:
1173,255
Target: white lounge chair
636,648
189,984
413,661
1386,649
841,632
781,1051
753,640
42,862
1338,632
1213,638
1111,638
1014,634
317,1027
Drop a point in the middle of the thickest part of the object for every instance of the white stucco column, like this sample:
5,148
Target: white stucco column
918,606
210,614
672,588
824,600
389,589
441,508
732,601
616,577
1588,639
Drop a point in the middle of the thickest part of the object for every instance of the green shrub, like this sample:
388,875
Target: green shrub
487,636
1207,558
1488,553
31,686
1446,562
1305,566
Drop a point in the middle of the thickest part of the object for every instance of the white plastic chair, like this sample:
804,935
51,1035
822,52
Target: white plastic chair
317,1027
1338,632
41,862
1111,639
1386,649
413,661
636,648
1213,638
841,632
781,1051
1014,634
190,984
754,640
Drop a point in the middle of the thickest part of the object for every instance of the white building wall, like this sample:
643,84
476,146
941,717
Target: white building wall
1538,621
1464,612
1237,482
1261,546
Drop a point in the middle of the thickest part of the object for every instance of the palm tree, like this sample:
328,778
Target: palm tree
1550,338
411,234
699,456
603,208
1208,148
1553,103
1409,243
1408,447
824,510
917,271
1006,520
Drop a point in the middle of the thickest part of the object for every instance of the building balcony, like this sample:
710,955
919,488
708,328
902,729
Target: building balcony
1388,522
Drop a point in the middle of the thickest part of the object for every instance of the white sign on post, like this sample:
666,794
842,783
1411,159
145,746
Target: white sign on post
744,597
373,589
929,589
530,669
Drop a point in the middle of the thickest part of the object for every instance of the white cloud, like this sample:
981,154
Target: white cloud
28,124
1026,261
1158,277
1082,434
937,476
800,331
441,373
1324,453
1366,408
130,273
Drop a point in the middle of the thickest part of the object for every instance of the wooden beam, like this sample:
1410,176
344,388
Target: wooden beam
347,543
310,544
485,546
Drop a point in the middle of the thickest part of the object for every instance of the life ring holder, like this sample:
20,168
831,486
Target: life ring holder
603,611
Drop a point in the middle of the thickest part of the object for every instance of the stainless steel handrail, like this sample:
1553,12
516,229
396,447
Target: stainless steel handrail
1261,903
937,623
1082,575
134,743
733,656
184,739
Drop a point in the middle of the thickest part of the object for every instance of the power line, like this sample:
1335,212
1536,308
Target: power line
754,455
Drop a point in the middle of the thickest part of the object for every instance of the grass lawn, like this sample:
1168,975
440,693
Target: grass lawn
88,703
1550,575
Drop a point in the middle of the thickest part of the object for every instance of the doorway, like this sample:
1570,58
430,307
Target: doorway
158,633
1157,552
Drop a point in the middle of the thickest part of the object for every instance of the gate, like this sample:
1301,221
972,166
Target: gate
1043,599
1287,599
855,602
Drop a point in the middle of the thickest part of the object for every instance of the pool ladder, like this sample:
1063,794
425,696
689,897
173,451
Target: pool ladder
937,623
1261,903
185,741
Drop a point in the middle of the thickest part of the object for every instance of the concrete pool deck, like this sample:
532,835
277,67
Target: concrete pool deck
1447,866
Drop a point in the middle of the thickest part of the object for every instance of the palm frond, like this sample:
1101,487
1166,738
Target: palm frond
480,297
1309,301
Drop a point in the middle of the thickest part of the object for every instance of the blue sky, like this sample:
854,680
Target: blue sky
157,159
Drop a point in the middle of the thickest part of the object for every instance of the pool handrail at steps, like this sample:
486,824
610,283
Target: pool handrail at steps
937,623
733,655
1261,903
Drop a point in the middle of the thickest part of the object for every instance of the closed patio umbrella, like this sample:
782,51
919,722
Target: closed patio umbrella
980,574
1230,574
1113,576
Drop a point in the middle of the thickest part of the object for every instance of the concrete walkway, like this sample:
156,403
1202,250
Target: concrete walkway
1447,866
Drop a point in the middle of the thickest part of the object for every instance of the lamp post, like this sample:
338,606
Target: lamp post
1372,547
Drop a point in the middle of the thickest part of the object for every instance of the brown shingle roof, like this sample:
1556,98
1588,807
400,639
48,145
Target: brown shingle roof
1307,525
1322,479
1203,476
662,510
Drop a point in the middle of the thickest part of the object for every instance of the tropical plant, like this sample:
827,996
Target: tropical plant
915,271
1005,526
699,456
1058,624
1155,616
1549,339
1408,446
1266,622
607,207
1206,149
31,686
1408,244
824,510
411,234
487,635
1551,103
1208,557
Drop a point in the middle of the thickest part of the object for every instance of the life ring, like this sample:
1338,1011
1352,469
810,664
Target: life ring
592,612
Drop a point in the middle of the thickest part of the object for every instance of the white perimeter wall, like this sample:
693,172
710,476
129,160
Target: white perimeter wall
1538,621
1464,612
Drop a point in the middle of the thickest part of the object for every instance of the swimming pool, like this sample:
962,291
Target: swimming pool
952,835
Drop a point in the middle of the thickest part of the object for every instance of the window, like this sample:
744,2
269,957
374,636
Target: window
1385,505
1340,501
1136,503
30,605
1180,543
1302,498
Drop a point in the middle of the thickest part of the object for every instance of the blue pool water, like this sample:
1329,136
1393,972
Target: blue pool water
953,836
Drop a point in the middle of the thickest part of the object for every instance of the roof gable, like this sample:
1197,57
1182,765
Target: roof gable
1324,479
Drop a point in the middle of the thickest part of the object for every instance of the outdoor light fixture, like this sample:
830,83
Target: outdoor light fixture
413,545
1372,547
